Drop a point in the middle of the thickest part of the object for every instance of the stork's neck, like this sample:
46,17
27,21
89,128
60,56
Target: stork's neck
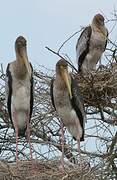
59,82
98,28
20,65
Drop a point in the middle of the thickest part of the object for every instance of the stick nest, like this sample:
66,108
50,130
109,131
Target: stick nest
99,87
37,170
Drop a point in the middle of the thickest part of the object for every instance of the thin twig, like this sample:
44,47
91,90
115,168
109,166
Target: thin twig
62,58
69,39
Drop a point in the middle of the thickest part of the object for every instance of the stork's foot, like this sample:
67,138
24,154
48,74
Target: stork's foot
61,169
18,164
61,166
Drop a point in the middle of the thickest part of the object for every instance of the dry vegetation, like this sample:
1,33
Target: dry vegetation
101,110
98,151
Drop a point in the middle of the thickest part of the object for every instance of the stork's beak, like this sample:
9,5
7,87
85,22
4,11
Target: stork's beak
66,79
25,59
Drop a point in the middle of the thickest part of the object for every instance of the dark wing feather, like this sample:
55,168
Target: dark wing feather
77,103
51,92
82,46
8,88
31,92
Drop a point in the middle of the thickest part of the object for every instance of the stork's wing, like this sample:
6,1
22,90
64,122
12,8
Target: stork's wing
82,46
77,103
31,91
8,89
51,92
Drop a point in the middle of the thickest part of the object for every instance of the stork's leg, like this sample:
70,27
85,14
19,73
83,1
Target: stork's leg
78,139
16,132
62,144
28,134
78,148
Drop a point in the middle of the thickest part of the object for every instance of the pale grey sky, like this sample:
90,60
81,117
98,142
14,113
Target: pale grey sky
46,23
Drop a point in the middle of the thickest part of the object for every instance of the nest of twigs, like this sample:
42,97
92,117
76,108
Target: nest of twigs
98,87
49,170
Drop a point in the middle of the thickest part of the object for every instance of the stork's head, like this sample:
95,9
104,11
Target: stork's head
98,20
20,43
21,52
62,70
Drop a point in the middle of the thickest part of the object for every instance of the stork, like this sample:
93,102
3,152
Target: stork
67,102
19,92
91,44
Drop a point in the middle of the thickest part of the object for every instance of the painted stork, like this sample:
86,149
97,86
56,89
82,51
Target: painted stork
68,104
19,92
91,44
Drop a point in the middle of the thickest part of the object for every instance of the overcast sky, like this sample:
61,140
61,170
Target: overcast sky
47,23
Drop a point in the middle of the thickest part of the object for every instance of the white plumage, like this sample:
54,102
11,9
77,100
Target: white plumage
20,100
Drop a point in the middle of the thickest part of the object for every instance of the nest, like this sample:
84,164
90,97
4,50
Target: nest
39,170
99,87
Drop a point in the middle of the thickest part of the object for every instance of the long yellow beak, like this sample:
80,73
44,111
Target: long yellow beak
66,79
25,59
27,66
